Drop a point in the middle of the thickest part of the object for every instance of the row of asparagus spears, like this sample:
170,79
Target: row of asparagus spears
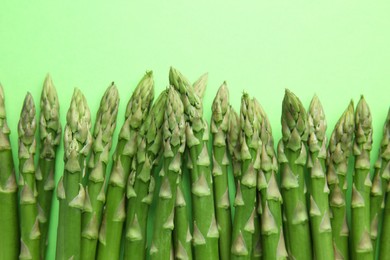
288,203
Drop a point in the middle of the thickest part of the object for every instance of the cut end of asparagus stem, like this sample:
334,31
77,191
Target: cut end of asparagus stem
294,121
77,136
106,120
200,85
50,125
317,124
363,124
141,101
27,125
220,106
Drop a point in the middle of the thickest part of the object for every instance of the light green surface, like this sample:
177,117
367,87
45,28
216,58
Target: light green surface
337,50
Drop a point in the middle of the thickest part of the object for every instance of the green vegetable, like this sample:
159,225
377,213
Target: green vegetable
321,229
384,252
114,215
205,235
95,191
339,150
380,183
292,156
245,200
219,128
360,203
174,145
50,137
271,200
29,225
141,191
9,221
70,191
200,85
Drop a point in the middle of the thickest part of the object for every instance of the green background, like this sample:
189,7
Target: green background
336,49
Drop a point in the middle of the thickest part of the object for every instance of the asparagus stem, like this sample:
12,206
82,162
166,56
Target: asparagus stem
9,221
149,148
95,191
361,242
50,137
70,191
205,240
292,157
245,201
271,200
29,225
219,127
114,215
380,183
339,150
200,85
181,233
384,252
321,230
233,143
174,145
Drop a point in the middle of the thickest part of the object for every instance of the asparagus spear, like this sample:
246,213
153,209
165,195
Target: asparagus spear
50,137
70,191
271,200
181,233
321,230
200,85
95,191
360,203
9,222
114,215
384,252
245,201
174,145
292,157
233,144
339,150
149,148
380,183
205,236
29,226
219,127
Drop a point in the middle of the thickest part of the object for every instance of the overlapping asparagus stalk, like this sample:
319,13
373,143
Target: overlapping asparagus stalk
205,235
174,145
245,200
339,150
50,137
321,230
9,221
95,190
360,203
141,191
219,128
273,244
384,252
29,225
70,191
380,183
233,143
200,86
292,156
110,233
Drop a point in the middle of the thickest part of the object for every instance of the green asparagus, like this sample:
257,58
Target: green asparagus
50,137
70,191
114,215
200,85
149,148
321,230
233,143
219,127
205,234
174,145
271,200
245,200
339,150
95,190
384,252
29,223
360,202
380,183
9,221
292,156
